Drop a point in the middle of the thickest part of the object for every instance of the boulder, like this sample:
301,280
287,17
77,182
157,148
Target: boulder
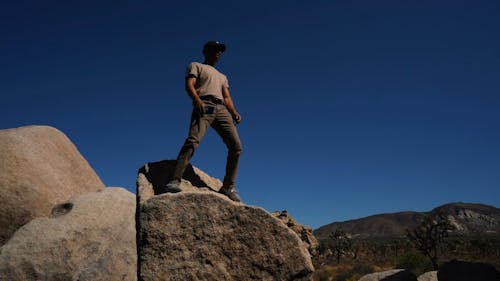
304,232
153,177
404,275
203,235
39,168
428,276
466,271
88,238
390,275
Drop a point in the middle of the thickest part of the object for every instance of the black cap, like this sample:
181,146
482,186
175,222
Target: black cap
216,45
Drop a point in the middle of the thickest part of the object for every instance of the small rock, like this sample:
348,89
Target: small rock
404,275
304,232
428,276
390,275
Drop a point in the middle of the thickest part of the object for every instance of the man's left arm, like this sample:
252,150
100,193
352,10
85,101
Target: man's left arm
228,101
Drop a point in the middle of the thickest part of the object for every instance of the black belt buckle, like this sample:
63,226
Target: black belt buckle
212,99
219,101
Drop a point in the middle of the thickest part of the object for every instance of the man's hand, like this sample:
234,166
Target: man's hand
236,117
199,105
228,101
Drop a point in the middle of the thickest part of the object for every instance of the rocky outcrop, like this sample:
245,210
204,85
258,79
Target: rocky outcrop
472,219
428,276
59,223
390,275
467,218
89,238
466,271
304,232
39,168
199,234
153,177
205,236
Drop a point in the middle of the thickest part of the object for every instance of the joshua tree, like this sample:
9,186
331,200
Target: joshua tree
341,244
430,236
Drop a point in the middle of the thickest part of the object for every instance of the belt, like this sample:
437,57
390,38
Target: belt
212,99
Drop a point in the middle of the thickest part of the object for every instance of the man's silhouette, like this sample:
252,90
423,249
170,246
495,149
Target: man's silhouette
212,106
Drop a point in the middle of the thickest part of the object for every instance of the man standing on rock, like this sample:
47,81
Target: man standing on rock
212,106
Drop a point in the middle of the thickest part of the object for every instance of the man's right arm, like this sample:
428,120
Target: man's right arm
191,90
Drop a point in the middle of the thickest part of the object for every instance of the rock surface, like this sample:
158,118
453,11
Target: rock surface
89,238
153,177
39,168
390,275
205,236
404,275
428,276
304,232
466,271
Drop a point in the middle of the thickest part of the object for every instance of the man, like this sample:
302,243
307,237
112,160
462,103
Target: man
212,106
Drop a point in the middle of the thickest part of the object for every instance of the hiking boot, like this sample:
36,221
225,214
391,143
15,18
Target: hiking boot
173,186
231,193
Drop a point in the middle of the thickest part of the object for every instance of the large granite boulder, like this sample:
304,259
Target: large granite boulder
390,275
88,238
39,168
466,271
199,234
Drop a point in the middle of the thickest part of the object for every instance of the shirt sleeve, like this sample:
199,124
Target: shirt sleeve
192,70
225,82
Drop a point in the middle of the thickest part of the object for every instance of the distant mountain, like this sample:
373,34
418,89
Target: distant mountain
468,219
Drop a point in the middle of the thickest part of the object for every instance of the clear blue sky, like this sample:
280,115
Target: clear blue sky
350,108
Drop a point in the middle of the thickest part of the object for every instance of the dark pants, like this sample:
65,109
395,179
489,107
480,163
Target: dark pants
221,120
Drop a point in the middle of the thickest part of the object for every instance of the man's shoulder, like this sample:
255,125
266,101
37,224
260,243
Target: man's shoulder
201,66
194,64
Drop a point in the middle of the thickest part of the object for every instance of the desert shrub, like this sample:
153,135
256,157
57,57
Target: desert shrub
349,276
354,273
321,275
324,273
415,262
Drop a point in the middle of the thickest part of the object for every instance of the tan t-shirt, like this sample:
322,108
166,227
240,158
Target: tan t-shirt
209,81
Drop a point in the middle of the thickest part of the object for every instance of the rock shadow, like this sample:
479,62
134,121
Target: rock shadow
161,172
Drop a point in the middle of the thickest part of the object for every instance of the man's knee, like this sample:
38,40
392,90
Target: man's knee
236,149
192,142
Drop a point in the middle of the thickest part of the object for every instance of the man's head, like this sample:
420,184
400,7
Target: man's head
212,51
214,45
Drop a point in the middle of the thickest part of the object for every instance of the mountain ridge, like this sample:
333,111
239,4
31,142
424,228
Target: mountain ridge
468,219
